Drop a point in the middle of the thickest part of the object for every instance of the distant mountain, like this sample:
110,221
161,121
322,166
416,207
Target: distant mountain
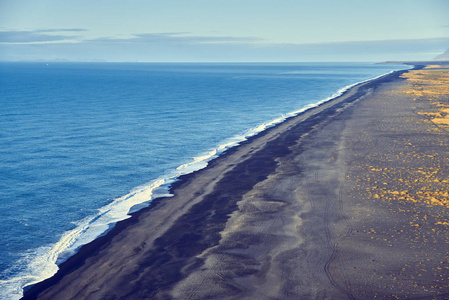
444,56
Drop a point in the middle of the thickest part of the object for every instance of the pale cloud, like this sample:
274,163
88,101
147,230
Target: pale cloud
37,36
165,38
62,30
182,46
178,38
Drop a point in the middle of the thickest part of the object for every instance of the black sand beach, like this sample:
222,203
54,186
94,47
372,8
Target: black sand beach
345,201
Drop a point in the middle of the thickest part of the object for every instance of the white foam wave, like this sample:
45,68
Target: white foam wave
43,262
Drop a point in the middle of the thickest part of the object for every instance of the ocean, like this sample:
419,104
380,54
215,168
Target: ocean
82,144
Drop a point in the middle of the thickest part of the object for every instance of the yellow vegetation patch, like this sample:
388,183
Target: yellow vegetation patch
444,109
441,121
428,82
420,185
432,84
437,67
430,114
442,223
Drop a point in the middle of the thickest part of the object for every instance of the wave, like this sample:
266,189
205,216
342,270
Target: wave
43,262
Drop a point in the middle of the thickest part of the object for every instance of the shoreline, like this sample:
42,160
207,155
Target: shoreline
95,221
78,259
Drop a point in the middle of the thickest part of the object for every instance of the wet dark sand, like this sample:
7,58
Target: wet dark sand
322,206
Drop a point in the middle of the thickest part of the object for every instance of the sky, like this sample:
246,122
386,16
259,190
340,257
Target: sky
223,30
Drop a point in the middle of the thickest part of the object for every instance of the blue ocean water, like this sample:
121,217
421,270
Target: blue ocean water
81,144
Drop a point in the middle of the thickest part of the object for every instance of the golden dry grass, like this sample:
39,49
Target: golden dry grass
427,183
431,83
